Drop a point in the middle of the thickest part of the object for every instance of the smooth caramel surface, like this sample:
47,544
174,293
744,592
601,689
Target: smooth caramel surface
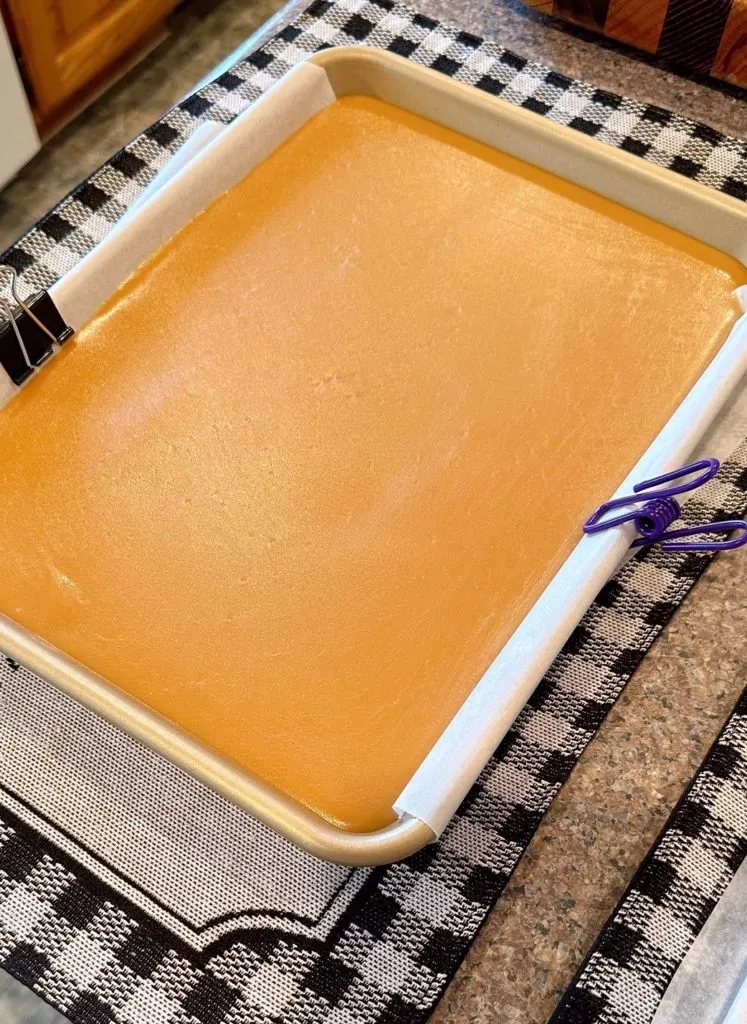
302,477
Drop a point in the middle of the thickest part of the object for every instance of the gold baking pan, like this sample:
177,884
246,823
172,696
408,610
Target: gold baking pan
299,506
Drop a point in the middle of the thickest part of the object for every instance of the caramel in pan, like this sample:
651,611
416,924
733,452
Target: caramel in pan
305,473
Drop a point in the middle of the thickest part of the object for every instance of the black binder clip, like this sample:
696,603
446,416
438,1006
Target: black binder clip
31,331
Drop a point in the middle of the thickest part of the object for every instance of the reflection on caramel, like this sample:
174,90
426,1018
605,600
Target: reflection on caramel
306,472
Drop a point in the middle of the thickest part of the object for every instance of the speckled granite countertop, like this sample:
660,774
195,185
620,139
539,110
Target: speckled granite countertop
606,817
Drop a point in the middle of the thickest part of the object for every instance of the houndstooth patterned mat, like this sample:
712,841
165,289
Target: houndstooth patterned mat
127,892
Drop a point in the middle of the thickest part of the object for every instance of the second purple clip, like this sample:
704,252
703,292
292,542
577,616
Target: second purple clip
661,509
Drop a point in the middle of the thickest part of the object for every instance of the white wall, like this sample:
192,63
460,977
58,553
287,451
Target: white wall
18,138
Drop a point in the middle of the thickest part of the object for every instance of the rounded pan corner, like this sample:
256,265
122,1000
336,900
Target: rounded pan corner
334,56
369,71
279,812
395,842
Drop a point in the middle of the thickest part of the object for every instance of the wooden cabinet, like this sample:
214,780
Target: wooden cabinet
67,45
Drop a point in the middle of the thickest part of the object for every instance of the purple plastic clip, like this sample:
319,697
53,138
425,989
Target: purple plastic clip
661,509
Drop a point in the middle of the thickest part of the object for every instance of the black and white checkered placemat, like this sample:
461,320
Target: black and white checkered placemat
128,892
